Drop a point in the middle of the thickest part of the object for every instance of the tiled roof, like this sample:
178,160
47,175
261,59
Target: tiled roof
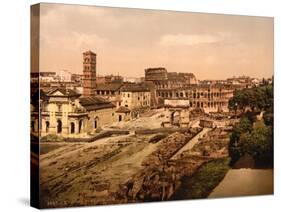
109,86
95,103
66,92
134,88
89,52
123,109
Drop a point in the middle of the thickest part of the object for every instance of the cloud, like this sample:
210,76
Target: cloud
187,40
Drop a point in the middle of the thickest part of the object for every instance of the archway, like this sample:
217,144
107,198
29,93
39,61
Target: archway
33,126
72,128
96,122
47,126
175,118
59,126
80,126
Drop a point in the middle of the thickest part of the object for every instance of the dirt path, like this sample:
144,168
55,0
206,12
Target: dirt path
245,182
191,143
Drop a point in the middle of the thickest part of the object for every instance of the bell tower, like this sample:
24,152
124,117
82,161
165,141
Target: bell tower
89,73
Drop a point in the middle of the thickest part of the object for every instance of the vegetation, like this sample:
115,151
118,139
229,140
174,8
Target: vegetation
252,136
257,98
202,183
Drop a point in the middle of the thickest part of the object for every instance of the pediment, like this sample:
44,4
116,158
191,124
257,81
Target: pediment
57,93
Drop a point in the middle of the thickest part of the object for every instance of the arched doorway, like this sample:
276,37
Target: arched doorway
47,126
80,126
96,123
59,126
175,118
72,128
32,126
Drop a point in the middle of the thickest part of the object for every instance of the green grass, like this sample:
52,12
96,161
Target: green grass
201,184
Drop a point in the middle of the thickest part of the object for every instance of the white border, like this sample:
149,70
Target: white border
14,111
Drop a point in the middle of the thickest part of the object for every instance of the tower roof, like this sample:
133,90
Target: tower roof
89,52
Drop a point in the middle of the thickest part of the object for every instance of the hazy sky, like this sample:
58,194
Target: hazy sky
127,41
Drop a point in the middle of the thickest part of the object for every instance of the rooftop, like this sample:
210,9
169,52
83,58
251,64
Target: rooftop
133,87
95,103
123,109
109,86
89,52
64,91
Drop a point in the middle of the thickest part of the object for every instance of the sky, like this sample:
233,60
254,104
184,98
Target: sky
127,41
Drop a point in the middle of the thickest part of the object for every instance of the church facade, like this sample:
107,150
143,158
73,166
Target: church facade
66,113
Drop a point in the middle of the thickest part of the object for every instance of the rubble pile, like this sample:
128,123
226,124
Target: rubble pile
170,146
214,144
160,176
197,113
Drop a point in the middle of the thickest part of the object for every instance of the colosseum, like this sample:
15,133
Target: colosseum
211,97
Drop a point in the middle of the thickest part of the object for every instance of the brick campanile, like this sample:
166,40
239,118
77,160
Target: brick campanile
89,73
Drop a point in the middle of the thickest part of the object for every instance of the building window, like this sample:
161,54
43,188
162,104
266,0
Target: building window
95,123
59,108
120,118
128,95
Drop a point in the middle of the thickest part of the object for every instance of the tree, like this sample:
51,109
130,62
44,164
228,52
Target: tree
245,139
257,98
235,151
259,144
